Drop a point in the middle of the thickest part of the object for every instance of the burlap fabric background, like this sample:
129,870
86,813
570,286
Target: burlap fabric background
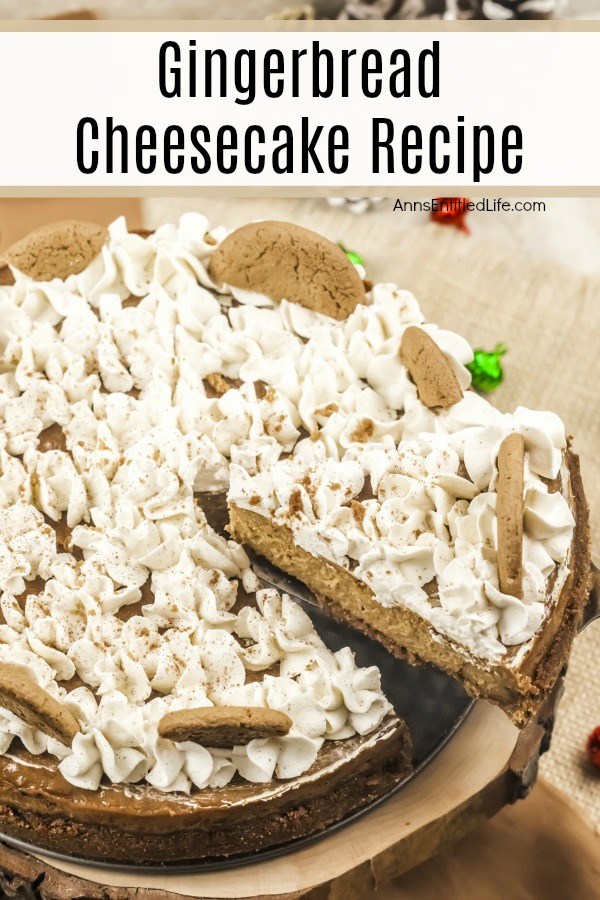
550,319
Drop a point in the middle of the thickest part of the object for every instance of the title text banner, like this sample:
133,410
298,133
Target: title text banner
299,109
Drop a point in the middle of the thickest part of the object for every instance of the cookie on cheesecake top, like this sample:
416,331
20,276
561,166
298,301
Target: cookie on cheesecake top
288,262
57,250
321,428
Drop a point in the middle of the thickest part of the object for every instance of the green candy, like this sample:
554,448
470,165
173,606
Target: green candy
486,368
354,257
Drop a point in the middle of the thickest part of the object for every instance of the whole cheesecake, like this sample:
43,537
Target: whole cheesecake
157,702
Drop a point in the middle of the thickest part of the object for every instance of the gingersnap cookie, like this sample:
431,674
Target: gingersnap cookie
509,511
21,694
223,726
287,262
57,250
430,369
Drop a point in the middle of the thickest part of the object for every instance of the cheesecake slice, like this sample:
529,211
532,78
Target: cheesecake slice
454,534
515,674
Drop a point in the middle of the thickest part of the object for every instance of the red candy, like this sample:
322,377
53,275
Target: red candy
451,211
593,747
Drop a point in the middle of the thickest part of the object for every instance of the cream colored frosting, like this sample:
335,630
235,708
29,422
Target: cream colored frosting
126,384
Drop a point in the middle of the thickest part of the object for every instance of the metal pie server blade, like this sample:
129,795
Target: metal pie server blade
274,577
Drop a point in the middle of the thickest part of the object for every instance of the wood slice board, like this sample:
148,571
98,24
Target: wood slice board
486,764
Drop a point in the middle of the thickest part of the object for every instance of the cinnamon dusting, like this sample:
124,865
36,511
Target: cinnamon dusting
363,431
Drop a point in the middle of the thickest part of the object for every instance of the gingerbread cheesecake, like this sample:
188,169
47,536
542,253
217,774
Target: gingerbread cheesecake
165,704
157,702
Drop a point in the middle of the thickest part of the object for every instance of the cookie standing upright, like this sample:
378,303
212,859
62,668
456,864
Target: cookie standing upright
21,694
510,511
430,369
224,726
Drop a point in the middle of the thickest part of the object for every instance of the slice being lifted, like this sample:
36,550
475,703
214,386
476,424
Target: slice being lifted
507,650
454,534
